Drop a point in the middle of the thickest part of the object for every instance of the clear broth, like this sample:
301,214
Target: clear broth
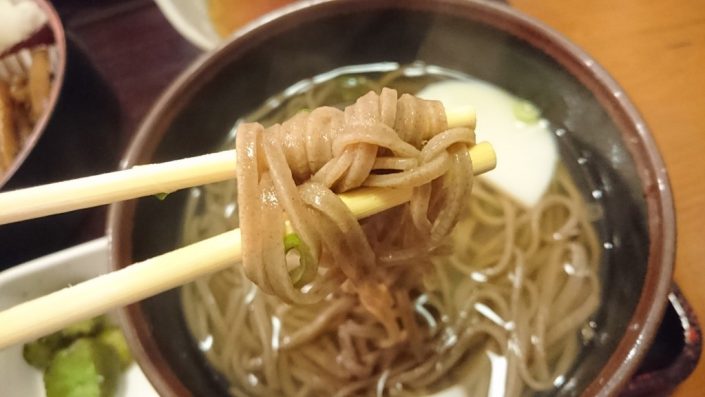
341,87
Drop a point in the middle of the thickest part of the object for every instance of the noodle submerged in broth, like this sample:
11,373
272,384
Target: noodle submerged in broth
401,303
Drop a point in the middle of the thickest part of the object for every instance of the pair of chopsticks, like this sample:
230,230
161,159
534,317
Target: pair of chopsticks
54,311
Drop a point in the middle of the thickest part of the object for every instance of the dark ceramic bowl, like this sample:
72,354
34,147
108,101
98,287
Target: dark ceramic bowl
492,42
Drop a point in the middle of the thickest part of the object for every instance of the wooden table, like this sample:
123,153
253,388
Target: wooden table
656,50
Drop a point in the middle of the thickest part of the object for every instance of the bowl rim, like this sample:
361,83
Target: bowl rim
643,324
59,36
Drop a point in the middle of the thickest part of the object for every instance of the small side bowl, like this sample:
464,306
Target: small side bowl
53,34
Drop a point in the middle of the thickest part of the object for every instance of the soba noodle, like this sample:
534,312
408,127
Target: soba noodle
401,303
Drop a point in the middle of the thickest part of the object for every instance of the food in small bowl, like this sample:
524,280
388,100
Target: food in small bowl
515,304
31,64
23,100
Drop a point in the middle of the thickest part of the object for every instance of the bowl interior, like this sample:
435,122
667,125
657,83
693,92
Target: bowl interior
486,41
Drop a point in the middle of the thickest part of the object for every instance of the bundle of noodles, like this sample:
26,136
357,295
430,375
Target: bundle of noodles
327,151
370,272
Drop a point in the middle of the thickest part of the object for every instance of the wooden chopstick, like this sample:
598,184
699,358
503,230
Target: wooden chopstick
52,312
139,181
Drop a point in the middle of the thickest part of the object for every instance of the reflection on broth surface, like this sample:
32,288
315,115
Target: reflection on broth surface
501,307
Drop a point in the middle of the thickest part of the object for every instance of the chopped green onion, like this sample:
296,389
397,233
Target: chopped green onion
526,111
306,271
352,82
161,196
352,88
291,241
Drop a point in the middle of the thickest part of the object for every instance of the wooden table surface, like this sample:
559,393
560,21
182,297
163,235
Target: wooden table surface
656,51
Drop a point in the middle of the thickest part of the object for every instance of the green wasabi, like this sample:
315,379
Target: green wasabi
82,360
84,328
87,368
40,352
113,337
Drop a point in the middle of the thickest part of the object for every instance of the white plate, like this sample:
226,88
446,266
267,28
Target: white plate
41,276
190,18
